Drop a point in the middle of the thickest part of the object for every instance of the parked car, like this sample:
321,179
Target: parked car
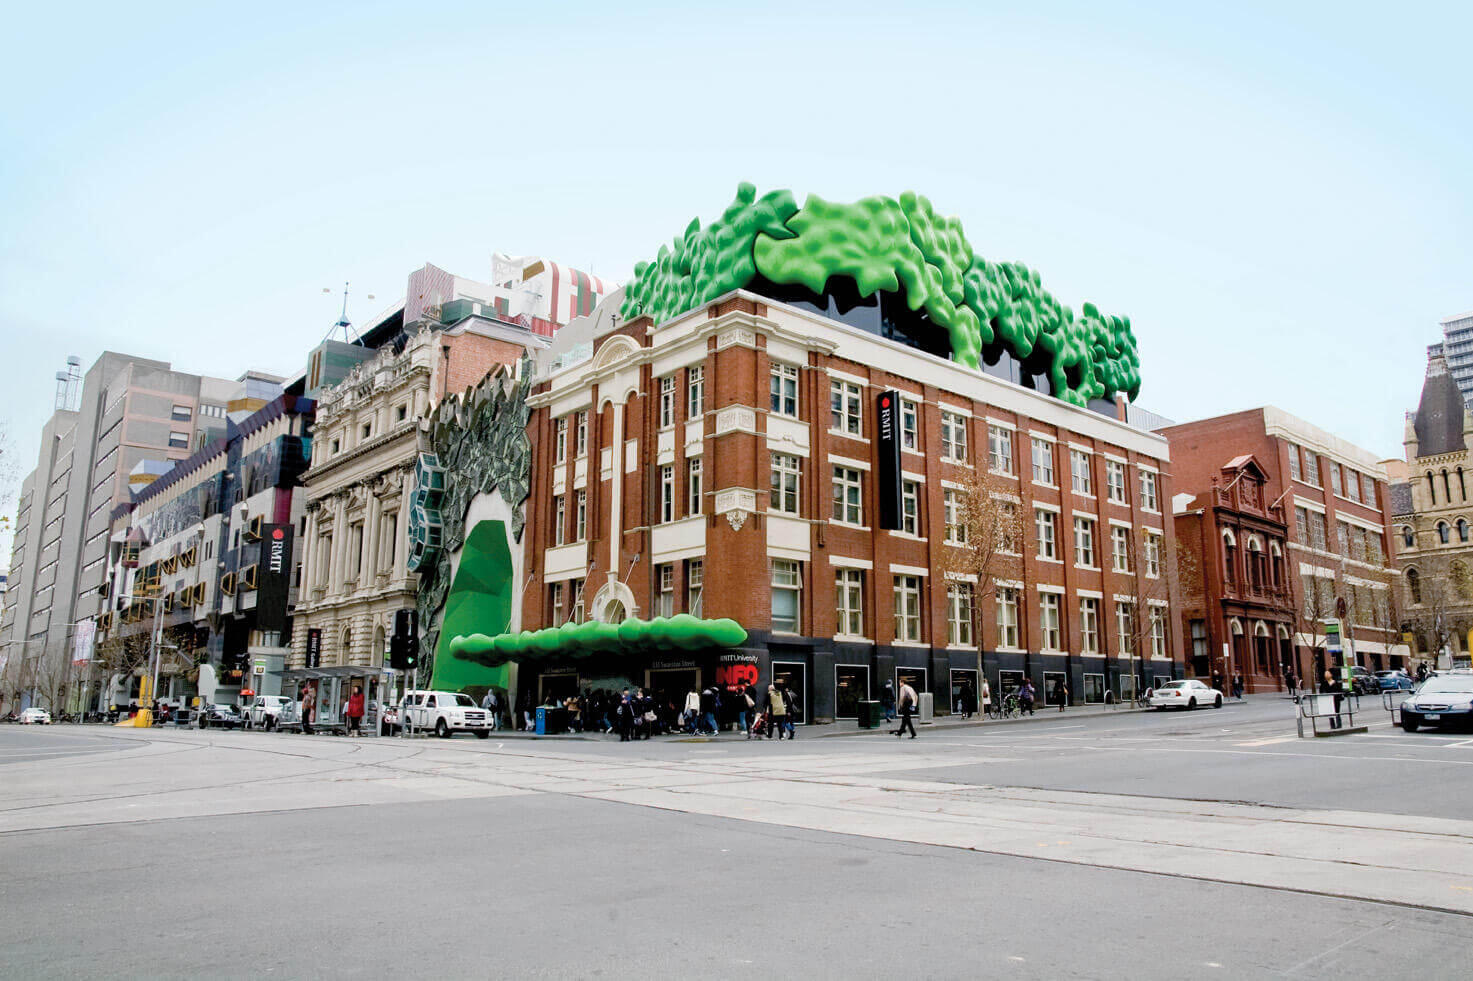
1185,695
1397,680
1443,700
1363,682
445,712
213,716
35,716
265,711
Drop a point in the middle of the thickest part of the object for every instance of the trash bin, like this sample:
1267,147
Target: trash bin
871,715
927,713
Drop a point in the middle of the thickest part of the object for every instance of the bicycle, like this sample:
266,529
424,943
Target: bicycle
1007,708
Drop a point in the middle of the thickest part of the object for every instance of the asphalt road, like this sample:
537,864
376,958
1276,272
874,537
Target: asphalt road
177,854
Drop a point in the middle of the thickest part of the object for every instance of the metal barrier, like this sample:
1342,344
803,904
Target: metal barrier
1336,711
1391,702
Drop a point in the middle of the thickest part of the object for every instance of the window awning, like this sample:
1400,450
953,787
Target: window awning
577,640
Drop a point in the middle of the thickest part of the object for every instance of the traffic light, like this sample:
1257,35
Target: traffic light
404,644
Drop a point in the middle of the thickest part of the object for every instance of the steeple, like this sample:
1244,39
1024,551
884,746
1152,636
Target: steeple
1440,422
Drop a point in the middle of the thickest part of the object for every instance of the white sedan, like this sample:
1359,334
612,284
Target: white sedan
1185,695
34,716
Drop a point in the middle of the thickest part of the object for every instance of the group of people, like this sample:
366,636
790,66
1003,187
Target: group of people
638,713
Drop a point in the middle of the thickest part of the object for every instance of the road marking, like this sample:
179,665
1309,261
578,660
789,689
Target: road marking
1269,742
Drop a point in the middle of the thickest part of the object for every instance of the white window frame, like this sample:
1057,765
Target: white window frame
783,390
787,469
791,574
665,590
910,423
667,402
1149,489
951,512
560,519
693,486
695,395
954,447
1084,542
1000,449
846,512
580,435
1005,600
560,441
580,516
695,586
1151,549
1079,476
1043,462
1115,482
849,602
1089,625
1120,548
846,407
910,507
667,493
1050,622
960,598
1046,533
908,609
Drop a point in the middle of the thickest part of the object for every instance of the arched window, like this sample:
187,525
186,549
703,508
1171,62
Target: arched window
1442,532
1447,490
1462,487
1236,627
1431,487
1462,530
1408,540
1276,563
345,650
1414,585
380,652
1229,557
1255,561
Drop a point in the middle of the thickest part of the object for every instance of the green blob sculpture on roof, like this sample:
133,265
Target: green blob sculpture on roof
902,247
576,640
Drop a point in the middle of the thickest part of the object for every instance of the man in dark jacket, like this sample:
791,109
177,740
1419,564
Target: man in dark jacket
1332,686
792,702
708,710
887,701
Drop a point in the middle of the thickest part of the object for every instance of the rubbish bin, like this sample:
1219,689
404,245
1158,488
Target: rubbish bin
871,715
928,708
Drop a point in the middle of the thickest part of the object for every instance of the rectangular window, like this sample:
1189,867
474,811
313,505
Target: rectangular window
846,407
1311,468
665,598
1048,620
784,491
1199,640
1318,531
909,423
849,601
558,599
787,591
1148,490
1043,462
910,507
366,431
908,608
1335,484
1158,631
1368,488
1301,525
179,440
1115,481
559,519
695,392
182,413
999,449
1079,472
401,413
693,485
575,590
580,517
959,614
1084,542
1045,526
667,493
560,441
953,437
1120,548
1089,625
847,496
951,512
667,401
1152,543
580,434
695,582
1352,485
784,390
1125,627
1294,471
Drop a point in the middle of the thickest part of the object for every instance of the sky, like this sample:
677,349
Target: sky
1278,195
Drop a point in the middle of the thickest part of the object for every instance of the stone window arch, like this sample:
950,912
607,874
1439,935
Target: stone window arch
1408,538
1414,585
1462,527
1442,532
345,646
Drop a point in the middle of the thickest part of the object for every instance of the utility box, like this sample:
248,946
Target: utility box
871,715
928,708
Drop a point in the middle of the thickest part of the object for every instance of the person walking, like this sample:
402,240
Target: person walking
354,710
744,708
708,702
1332,686
1238,687
1061,693
887,701
907,700
791,701
1027,695
777,713
492,704
986,697
690,714
308,710
624,717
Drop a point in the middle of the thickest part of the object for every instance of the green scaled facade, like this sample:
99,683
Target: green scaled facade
902,247
680,632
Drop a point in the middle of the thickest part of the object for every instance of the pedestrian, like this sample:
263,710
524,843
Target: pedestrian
1293,685
967,702
492,704
1217,680
745,705
308,711
1061,693
986,697
1332,686
887,701
1238,686
624,717
708,702
690,717
907,700
1027,695
791,701
777,713
353,710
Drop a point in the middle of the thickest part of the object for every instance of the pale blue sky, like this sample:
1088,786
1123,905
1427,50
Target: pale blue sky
1279,196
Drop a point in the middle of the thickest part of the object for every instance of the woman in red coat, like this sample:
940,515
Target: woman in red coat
355,710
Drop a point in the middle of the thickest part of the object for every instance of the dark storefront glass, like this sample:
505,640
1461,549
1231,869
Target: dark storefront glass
851,686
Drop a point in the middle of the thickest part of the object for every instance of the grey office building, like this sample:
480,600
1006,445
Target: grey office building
122,423
1457,348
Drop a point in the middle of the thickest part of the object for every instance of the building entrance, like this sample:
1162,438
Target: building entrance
794,675
669,686
851,686
963,686
559,686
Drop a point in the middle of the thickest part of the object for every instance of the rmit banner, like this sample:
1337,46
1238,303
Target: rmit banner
275,577
314,648
887,467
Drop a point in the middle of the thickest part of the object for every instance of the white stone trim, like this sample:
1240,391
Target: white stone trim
845,562
849,461
908,570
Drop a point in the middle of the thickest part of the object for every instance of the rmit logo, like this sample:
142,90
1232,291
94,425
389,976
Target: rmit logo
278,550
278,534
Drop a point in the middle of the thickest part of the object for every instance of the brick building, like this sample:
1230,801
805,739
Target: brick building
1331,497
724,463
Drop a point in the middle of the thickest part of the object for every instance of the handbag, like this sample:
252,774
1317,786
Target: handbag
649,717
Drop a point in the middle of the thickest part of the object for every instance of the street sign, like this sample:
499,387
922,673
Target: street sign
1332,636
260,667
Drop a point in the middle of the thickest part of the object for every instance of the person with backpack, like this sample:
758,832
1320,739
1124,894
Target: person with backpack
887,701
791,701
907,701
1027,695
777,713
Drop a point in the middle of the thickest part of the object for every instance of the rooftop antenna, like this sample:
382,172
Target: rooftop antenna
343,321
68,384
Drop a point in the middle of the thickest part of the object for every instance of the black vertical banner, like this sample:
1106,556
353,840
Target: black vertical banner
314,648
887,467
274,577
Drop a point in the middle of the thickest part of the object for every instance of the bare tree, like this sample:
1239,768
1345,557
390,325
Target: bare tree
1438,602
1154,579
984,542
